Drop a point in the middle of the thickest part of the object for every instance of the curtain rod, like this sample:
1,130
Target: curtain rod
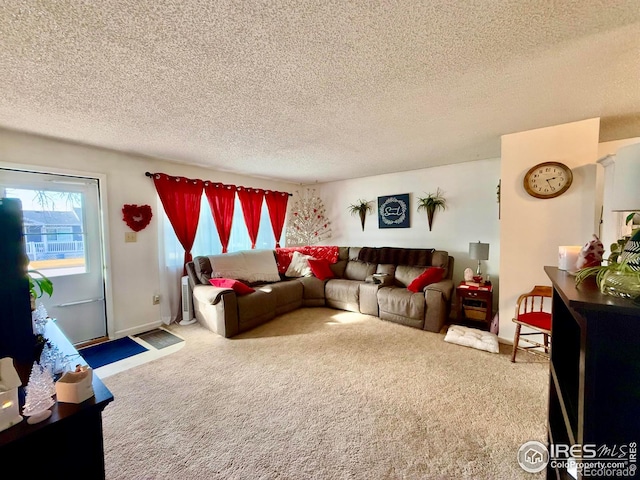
149,174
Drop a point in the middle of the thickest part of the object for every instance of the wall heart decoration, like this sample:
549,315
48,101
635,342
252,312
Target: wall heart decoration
136,217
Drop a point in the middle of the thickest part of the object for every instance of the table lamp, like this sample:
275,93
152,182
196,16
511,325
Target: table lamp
479,251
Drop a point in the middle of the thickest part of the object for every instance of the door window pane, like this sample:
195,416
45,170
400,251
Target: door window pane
54,230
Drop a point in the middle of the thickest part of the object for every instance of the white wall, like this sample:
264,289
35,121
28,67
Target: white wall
531,228
471,214
613,225
133,267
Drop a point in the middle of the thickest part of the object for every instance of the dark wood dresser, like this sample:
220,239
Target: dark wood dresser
69,444
594,388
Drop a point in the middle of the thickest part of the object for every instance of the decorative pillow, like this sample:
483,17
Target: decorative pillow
299,266
472,337
429,276
261,266
237,286
321,268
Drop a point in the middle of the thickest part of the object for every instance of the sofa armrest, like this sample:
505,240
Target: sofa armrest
210,294
444,286
438,305
217,309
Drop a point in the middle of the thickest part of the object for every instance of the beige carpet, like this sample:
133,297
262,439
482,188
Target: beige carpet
324,394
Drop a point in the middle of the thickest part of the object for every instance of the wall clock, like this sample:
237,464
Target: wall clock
548,180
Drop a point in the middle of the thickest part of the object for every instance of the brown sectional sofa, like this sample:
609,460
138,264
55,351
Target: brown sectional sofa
368,280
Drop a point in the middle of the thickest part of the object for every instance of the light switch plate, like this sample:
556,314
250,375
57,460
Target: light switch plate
130,237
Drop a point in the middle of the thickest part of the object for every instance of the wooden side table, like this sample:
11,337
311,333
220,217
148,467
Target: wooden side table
475,304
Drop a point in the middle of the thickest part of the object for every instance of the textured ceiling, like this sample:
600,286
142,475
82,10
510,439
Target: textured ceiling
308,91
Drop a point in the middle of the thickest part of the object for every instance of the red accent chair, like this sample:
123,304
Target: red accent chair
533,313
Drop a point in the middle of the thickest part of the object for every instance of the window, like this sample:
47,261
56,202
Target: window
207,241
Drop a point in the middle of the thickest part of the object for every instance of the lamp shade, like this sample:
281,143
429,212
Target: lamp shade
479,251
626,178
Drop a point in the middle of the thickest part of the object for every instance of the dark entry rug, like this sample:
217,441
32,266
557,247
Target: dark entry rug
159,338
108,352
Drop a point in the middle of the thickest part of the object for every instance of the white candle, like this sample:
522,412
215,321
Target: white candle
568,257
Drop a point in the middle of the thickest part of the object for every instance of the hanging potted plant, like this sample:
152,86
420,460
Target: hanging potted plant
431,203
361,208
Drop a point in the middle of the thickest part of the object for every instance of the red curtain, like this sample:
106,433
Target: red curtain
277,205
251,203
181,199
221,199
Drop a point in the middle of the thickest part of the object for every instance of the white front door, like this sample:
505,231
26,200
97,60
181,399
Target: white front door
63,240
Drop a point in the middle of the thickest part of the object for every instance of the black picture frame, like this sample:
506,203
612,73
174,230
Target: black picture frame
393,211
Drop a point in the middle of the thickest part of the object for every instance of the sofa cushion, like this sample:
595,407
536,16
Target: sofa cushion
299,266
429,276
356,270
338,268
343,294
256,308
405,274
288,295
236,285
401,302
321,268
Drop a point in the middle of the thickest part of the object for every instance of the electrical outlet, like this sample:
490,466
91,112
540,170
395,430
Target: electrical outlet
156,299
130,237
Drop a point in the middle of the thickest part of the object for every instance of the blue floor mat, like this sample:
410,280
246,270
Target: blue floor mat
109,352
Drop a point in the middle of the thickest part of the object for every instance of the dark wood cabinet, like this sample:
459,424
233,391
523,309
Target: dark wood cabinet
594,388
69,444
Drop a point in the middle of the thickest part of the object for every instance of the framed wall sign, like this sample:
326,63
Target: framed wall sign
393,211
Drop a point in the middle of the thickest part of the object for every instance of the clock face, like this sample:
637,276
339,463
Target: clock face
548,180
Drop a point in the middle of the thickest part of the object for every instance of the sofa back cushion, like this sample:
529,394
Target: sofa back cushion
202,268
406,274
356,270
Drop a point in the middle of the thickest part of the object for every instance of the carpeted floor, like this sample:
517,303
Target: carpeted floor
324,394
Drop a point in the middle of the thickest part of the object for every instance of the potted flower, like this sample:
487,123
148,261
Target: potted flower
431,203
618,278
362,207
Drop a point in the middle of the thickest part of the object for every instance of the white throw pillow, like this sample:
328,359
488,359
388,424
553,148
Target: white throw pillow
261,266
229,265
299,266
472,337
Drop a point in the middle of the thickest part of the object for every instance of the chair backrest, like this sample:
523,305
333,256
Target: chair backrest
534,301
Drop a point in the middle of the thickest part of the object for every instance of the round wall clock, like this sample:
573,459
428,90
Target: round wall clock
548,180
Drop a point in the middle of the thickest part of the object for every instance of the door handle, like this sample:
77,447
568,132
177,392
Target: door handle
80,302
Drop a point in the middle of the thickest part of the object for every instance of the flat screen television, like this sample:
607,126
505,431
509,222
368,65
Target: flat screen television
16,327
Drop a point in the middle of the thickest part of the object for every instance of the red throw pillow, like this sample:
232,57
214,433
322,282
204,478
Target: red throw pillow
320,268
238,287
429,276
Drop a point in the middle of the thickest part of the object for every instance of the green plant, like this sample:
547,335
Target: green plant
431,203
618,247
39,284
602,272
361,208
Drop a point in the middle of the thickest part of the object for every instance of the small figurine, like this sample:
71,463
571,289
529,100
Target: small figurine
468,275
591,254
